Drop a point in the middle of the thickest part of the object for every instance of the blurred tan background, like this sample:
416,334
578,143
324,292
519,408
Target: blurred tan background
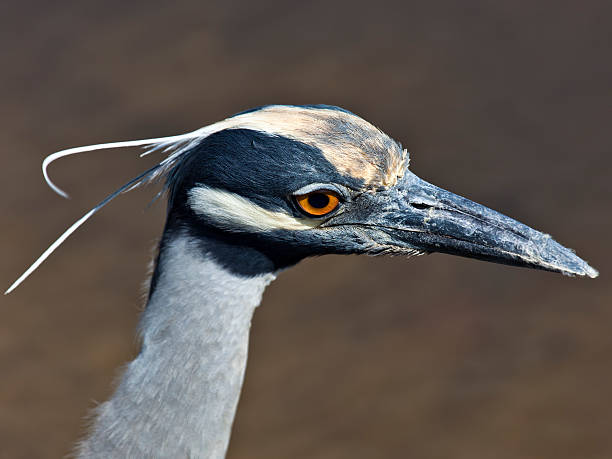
507,103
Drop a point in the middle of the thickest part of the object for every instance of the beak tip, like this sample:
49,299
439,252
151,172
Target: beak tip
552,256
583,271
590,271
579,267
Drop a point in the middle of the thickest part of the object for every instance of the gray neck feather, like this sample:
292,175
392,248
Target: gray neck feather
179,396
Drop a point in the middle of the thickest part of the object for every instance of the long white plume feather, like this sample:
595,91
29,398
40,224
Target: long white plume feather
168,142
177,145
129,185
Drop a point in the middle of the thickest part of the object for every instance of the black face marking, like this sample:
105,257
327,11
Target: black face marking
265,169
251,254
228,251
354,146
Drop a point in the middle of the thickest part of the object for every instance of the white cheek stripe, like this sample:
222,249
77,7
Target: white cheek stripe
236,213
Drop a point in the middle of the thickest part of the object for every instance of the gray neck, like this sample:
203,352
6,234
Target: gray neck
179,396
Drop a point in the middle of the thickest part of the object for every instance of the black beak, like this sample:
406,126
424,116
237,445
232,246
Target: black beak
416,215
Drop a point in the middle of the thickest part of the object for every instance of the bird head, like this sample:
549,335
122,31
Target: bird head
299,181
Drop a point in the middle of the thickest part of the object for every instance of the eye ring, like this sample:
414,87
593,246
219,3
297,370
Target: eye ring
317,203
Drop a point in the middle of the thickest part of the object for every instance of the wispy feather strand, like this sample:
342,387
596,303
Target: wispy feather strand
175,145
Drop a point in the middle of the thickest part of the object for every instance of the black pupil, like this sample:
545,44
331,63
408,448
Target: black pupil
318,200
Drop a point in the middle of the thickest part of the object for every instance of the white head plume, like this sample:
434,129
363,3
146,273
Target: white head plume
177,145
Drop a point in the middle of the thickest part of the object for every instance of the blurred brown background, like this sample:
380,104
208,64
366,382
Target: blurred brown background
508,103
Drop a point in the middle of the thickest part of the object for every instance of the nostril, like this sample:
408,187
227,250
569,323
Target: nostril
420,205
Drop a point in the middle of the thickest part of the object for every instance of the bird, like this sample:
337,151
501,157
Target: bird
248,197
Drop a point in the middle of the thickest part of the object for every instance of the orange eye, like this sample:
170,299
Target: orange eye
318,203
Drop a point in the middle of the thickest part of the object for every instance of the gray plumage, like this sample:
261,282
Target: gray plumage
178,397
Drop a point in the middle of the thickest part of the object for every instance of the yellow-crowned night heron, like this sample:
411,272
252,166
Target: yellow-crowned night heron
247,197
